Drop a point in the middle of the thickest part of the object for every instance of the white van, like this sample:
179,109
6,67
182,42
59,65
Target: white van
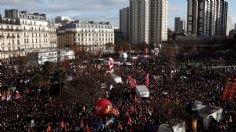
142,91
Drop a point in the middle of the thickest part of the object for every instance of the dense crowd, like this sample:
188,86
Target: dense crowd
170,93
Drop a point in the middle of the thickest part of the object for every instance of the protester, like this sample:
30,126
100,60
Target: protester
169,95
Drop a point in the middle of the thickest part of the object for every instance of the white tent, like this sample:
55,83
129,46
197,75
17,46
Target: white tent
142,91
178,125
175,125
208,111
165,128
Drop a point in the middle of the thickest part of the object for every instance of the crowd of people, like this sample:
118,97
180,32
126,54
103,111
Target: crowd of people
172,88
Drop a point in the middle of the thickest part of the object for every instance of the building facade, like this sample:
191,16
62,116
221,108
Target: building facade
10,39
139,21
180,25
159,21
148,21
229,25
125,23
88,35
207,18
63,19
119,36
24,32
39,58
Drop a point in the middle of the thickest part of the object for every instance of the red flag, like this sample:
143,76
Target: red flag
132,82
17,94
226,91
145,51
65,62
88,128
136,99
129,121
135,83
147,81
63,125
49,129
115,111
232,93
81,124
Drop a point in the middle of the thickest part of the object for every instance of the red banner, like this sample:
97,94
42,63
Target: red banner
147,81
232,92
132,82
226,91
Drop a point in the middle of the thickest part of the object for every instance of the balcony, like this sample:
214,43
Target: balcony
13,30
10,37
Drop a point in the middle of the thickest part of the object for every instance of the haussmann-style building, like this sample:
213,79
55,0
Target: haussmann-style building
88,35
23,32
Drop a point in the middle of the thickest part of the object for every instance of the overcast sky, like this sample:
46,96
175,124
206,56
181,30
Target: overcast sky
106,10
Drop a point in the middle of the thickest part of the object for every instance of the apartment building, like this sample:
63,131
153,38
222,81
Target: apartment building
88,35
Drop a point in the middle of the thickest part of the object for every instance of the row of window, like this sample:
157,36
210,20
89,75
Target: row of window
35,35
93,26
12,42
107,35
9,44
9,48
90,44
9,37
9,34
36,29
36,46
10,28
36,41
89,39
31,17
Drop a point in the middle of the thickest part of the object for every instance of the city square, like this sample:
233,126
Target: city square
82,75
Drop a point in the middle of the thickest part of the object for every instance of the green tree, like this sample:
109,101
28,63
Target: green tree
139,46
59,75
47,69
38,80
124,46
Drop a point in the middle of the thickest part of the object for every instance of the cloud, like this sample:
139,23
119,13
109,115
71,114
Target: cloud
93,9
18,2
65,5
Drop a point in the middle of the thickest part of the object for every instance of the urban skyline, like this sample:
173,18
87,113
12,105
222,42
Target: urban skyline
100,10
207,18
